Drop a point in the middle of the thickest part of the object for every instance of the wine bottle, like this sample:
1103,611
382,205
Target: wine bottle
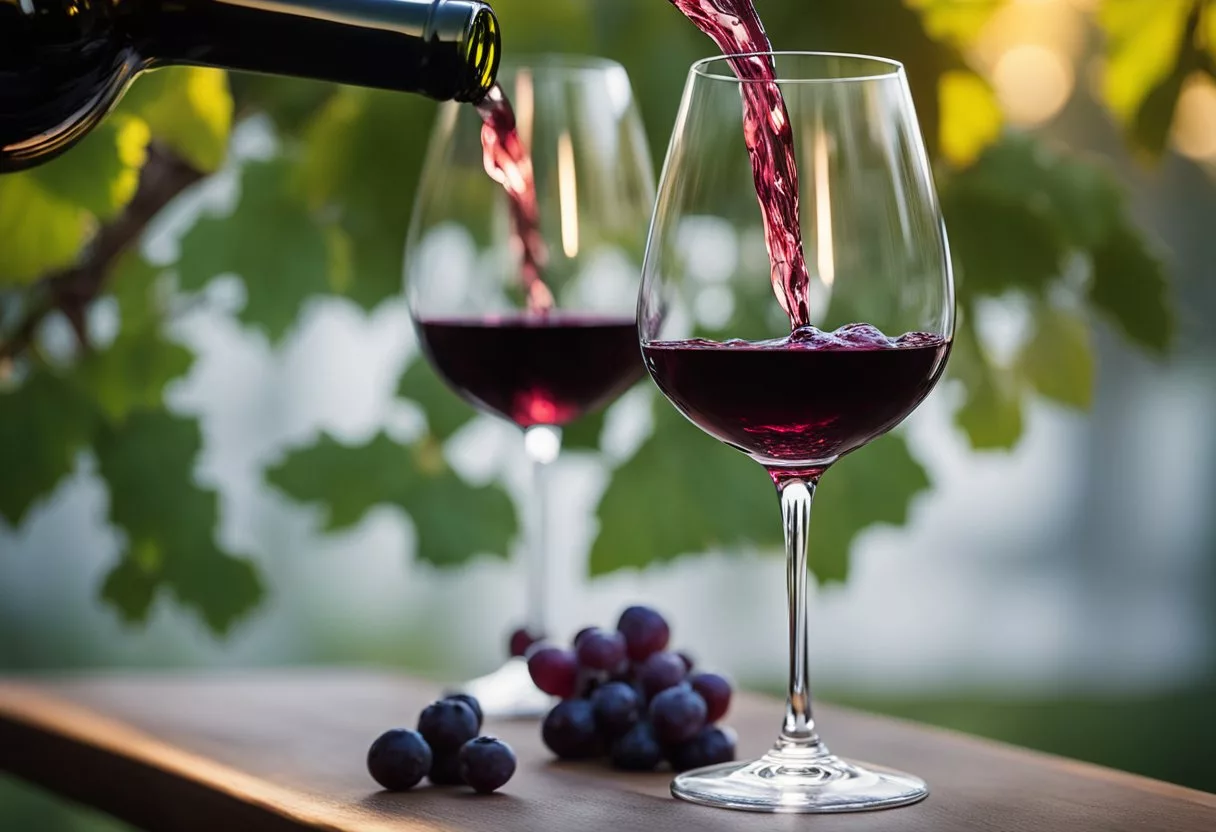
65,63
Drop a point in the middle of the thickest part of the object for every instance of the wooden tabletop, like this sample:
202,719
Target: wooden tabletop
285,750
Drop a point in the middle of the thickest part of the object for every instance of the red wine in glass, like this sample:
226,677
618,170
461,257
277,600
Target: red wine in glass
535,370
797,404
735,27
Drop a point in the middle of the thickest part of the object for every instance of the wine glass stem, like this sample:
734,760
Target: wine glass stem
542,444
798,730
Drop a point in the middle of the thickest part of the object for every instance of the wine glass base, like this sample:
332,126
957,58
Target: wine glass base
781,782
508,693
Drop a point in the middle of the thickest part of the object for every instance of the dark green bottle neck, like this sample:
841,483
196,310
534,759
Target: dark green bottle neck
446,49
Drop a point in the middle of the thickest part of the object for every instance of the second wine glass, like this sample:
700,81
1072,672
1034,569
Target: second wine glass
535,327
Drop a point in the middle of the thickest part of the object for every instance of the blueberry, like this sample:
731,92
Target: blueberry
645,632
521,640
617,708
715,691
660,672
473,704
712,745
554,670
601,650
678,714
637,749
398,759
445,769
569,730
448,724
486,763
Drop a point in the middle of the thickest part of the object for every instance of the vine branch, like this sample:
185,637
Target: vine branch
70,291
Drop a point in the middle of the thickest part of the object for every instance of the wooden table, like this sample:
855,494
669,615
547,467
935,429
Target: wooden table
285,750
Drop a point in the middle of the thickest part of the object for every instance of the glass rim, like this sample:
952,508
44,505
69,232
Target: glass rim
572,62
893,69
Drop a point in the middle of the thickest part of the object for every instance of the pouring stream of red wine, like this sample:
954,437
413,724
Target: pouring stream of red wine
509,163
735,27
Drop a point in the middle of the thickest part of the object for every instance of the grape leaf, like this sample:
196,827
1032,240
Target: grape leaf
44,423
958,22
101,173
271,241
875,484
991,416
971,117
682,493
446,412
1059,358
454,520
39,231
361,161
189,108
1129,284
170,523
998,244
1151,48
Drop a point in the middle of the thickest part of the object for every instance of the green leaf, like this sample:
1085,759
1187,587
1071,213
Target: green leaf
271,241
454,520
1151,48
998,244
955,21
445,411
1059,359
189,108
170,523
991,416
361,161
584,433
1129,284
44,423
102,172
970,116
875,484
39,231
682,493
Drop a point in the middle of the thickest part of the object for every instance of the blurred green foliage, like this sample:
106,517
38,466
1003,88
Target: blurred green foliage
327,216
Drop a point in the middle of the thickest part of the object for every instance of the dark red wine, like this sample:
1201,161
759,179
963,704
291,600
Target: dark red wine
803,400
508,162
736,28
535,370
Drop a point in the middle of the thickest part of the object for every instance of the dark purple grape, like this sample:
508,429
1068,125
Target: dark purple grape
715,691
554,670
660,672
521,640
601,650
710,746
677,714
579,635
399,759
617,708
645,632
636,749
569,730
486,764
689,664
473,704
445,769
447,724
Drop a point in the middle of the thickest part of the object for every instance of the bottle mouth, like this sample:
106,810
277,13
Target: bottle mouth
482,53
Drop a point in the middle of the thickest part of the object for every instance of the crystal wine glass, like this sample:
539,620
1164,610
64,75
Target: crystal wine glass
719,344
536,327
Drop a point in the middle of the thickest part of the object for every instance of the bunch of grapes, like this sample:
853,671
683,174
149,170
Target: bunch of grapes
624,694
446,749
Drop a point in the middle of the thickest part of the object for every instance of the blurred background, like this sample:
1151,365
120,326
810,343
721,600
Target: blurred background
212,482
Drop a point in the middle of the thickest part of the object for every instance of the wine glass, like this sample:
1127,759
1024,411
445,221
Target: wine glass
719,344
536,327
